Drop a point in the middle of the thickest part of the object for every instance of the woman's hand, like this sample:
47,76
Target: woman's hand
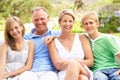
80,61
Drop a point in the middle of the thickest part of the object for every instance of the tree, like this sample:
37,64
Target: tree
78,4
21,8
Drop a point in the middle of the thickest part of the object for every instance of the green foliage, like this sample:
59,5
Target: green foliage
77,27
78,4
116,34
2,24
110,26
21,8
56,8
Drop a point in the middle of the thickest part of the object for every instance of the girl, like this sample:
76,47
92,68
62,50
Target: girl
16,53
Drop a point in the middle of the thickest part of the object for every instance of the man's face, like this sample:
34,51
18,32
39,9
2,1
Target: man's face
40,19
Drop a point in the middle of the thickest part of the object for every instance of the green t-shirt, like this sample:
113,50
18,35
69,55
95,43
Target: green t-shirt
104,50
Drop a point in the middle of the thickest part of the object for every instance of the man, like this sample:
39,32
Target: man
42,65
105,49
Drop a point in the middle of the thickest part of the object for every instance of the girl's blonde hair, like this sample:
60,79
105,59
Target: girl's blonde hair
8,38
90,15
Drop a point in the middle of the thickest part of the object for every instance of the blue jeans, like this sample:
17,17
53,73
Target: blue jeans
106,74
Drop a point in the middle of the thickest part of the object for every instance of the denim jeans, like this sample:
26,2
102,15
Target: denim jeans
106,74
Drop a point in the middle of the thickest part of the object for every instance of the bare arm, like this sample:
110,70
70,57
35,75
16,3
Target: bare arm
87,51
28,64
58,63
3,51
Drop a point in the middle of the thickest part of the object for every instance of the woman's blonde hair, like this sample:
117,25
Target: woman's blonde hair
90,15
8,38
66,11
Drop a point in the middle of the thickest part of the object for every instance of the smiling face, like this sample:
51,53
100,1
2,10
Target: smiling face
90,26
66,20
15,30
40,19
90,23
66,23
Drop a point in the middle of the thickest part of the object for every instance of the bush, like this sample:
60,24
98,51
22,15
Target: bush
2,24
111,24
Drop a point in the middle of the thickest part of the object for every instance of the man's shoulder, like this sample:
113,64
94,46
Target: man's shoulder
27,36
55,32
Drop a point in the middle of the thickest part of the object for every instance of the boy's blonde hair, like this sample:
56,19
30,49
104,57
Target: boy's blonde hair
90,15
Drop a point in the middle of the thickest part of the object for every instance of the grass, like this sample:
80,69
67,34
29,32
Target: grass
116,34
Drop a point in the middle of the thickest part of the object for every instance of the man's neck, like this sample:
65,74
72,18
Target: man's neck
40,32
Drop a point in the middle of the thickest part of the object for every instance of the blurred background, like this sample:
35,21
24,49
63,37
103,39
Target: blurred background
108,10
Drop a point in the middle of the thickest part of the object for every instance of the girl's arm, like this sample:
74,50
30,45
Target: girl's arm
3,52
28,64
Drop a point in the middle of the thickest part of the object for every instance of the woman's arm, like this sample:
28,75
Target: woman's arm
28,64
87,51
58,63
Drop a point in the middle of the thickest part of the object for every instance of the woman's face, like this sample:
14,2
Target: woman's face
66,23
15,30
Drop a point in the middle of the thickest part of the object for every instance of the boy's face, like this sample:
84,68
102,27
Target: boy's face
90,26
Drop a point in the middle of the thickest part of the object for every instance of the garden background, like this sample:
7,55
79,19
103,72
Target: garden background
108,10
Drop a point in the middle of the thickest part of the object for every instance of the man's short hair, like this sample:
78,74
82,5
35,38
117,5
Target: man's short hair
39,8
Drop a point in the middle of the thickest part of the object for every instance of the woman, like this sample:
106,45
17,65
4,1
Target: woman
16,53
71,52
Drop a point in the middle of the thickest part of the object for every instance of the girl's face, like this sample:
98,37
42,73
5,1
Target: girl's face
16,30
90,26
66,23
